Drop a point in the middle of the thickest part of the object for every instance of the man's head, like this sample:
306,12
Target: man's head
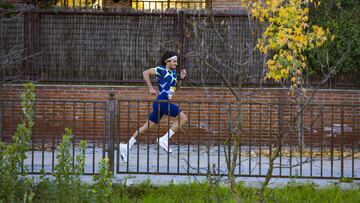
169,59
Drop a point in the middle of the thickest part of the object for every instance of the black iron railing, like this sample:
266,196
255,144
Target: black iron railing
325,146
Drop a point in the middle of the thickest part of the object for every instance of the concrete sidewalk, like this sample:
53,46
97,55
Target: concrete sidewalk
198,160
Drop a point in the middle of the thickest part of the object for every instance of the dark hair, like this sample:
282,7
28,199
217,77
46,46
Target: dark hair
167,55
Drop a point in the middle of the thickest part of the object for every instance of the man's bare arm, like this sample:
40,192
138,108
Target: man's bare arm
146,74
181,77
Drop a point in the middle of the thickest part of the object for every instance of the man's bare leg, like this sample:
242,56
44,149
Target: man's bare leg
124,148
179,122
143,129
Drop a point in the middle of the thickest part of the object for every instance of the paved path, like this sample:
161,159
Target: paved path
195,159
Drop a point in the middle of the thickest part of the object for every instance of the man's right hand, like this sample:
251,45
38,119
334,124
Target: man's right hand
152,91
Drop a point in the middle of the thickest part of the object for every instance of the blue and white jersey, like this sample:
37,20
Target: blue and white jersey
166,81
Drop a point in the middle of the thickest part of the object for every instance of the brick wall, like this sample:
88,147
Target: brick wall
265,113
101,93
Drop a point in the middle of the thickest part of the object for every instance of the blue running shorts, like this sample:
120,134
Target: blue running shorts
163,108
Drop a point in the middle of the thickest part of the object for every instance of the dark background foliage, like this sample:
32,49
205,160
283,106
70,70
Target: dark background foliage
342,17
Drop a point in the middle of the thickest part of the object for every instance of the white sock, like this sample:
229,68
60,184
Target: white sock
131,142
168,134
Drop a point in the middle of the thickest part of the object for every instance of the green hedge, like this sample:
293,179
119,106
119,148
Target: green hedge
342,17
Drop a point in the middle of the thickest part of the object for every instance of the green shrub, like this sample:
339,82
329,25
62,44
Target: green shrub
5,5
102,187
342,17
14,188
67,174
45,190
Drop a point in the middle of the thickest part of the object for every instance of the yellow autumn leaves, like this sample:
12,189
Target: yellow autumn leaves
287,36
325,153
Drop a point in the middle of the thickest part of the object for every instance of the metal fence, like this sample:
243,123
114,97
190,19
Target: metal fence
115,47
328,147
87,119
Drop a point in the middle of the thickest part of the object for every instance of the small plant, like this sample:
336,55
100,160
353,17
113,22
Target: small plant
67,174
345,180
5,5
44,189
12,156
102,187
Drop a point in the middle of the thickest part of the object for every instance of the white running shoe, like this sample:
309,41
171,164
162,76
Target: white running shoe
164,144
123,152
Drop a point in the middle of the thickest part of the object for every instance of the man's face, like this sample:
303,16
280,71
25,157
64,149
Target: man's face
171,64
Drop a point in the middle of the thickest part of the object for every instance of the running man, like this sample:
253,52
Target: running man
167,80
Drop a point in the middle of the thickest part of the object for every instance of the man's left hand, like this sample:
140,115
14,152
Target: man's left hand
183,74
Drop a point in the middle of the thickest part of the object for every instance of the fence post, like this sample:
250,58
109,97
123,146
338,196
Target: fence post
1,120
31,44
182,39
208,4
111,130
180,21
27,37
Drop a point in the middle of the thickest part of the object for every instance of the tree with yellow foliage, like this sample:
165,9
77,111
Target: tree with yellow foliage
287,36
